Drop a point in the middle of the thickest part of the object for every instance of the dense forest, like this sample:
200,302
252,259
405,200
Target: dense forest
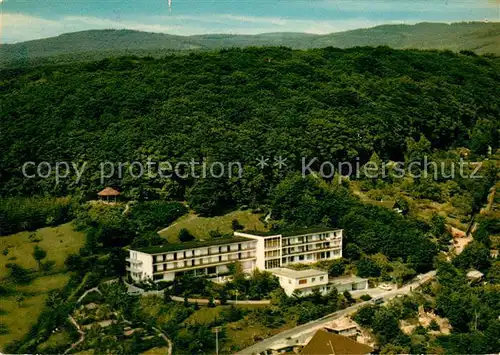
358,105
236,106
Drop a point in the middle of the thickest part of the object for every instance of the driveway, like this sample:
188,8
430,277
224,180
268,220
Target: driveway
308,329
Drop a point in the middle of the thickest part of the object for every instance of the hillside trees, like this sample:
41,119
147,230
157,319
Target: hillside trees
236,106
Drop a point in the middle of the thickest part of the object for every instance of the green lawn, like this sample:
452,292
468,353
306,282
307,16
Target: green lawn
153,351
58,241
19,319
201,226
205,315
44,284
56,340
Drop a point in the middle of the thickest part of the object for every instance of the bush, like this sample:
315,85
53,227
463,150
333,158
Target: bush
47,266
215,234
185,236
433,325
366,297
348,297
367,268
155,215
19,274
236,225
91,297
3,329
337,268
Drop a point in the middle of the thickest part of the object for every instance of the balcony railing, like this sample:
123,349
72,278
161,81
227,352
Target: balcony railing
203,265
134,261
311,250
204,255
305,242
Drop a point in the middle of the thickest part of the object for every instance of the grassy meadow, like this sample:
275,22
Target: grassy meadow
18,316
201,226
58,242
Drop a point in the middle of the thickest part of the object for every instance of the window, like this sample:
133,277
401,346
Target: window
289,281
321,278
272,243
157,277
303,281
313,279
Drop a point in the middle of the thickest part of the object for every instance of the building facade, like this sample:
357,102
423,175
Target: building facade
304,247
251,250
304,282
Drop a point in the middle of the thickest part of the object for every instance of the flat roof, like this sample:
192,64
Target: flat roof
475,273
191,245
296,274
346,279
291,233
260,233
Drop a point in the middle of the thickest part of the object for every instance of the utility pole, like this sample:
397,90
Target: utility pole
216,331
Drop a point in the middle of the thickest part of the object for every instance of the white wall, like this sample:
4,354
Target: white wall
290,284
147,264
259,249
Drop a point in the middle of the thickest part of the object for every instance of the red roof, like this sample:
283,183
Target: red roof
108,191
325,343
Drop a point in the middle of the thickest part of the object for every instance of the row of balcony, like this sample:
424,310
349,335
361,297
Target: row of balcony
173,258
134,261
202,264
311,250
288,242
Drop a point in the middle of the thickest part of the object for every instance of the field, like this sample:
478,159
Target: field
201,226
58,241
205,315
20,318
153,351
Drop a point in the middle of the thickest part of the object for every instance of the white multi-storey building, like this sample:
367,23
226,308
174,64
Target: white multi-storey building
251,249
303,247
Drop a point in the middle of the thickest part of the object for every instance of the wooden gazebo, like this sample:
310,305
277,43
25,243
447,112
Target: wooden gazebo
107,193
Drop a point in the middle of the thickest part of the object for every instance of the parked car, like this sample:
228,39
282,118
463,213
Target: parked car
378,300
385,287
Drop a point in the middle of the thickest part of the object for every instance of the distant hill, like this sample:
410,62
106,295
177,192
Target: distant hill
96,44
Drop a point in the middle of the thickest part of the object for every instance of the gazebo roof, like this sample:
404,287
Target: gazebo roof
108,191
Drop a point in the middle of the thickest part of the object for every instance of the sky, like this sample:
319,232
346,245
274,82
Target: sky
23,20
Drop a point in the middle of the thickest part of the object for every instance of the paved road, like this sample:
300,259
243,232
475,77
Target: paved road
306,330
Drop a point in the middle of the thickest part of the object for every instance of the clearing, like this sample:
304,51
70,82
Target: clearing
58,241
17,248
19,318
201,226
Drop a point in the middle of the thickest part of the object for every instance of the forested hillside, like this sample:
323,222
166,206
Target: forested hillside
377,105
98,44
238,105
